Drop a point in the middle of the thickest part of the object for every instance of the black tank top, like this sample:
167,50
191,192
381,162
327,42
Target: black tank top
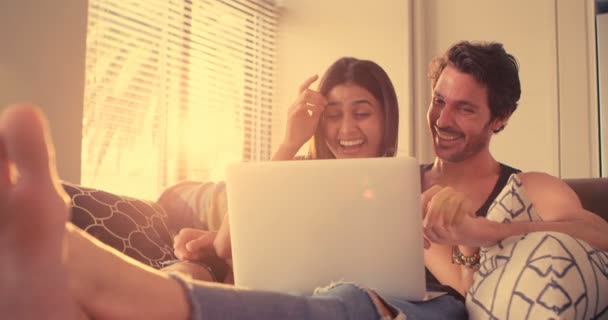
432,283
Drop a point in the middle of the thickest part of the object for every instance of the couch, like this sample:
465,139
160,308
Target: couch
144,230
593,193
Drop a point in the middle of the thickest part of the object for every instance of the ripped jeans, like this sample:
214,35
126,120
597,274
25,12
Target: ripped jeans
337,301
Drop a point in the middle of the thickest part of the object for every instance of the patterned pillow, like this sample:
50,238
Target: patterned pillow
540,275
134,227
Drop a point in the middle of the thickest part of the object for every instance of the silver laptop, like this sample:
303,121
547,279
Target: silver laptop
302,224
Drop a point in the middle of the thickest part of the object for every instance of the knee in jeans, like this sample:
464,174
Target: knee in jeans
351,292
337,287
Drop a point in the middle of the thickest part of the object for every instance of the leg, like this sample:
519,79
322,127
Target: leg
194,270
34,283
210,269
87,274
111,286
46,272
340,301
444,307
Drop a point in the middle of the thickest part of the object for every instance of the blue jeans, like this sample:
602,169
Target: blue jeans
339,301
444,307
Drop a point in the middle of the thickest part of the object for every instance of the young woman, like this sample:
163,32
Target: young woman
354,114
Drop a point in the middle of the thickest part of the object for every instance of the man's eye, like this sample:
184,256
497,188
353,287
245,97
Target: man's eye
467,109
437,101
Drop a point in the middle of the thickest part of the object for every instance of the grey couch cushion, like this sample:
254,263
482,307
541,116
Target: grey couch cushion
593,193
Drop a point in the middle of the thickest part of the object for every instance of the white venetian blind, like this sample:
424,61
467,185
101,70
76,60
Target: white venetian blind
175,90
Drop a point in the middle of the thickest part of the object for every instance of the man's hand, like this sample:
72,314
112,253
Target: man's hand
448,218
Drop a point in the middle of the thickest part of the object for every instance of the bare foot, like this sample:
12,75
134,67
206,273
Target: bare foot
33,213
53,270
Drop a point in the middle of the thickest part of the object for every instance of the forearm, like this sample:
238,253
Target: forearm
592,233
561,210
285,152
466,273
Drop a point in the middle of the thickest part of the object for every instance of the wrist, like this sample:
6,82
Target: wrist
471,260
286,151
292,145
467,251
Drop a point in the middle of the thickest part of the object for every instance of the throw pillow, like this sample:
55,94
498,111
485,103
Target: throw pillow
540,275
134,227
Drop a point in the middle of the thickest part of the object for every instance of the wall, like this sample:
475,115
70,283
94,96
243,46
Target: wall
42,61
602,26
554,129
314,33
530,139
578,90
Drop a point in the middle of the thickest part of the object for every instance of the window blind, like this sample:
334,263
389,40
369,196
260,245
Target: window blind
176,90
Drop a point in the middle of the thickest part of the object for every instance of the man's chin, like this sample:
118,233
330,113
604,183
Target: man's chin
449,156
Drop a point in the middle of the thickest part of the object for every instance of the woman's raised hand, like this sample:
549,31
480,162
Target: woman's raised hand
303,116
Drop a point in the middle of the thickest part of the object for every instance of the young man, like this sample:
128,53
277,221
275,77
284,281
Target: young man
475,91
93,281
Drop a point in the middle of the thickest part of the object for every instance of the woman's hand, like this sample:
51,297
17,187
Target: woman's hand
222,243
302,120
194,244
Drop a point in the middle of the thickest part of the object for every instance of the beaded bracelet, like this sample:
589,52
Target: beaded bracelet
467,261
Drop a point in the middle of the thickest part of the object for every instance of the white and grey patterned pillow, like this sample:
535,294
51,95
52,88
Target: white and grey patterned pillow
541,275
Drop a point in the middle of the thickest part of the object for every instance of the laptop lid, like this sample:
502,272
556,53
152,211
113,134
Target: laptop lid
302,224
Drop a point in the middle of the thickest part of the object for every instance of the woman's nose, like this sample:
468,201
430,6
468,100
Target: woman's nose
348,124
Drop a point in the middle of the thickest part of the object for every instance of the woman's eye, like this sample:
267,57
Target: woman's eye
361,115
331,116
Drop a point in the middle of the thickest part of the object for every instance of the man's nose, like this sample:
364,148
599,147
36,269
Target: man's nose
446,117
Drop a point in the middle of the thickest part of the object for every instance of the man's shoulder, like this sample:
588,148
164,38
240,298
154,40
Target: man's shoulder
537,177
552,197
507,169
542,183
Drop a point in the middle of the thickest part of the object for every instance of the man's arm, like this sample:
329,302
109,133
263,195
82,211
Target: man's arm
555,202
561,211
449,220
